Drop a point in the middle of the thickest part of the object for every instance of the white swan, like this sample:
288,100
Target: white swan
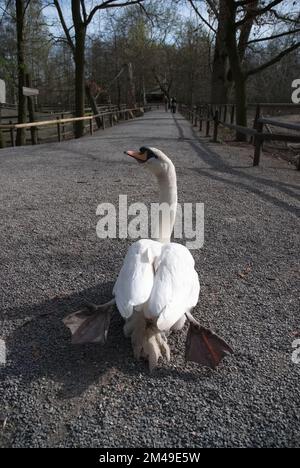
156,289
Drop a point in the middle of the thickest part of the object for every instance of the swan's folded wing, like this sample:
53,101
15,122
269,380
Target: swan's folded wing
135,281
176,286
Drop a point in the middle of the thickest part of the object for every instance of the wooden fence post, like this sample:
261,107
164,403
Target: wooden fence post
258,141
216,125
232,114
93,105
200,124
196,119
63,128
207,122
12,136
225,113
207,128
58,129
256,118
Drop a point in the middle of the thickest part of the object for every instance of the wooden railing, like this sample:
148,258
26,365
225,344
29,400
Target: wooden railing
59,110
8,106
95,121
216,116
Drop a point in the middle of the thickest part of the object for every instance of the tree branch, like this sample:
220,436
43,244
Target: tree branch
274,60
213,7
64,25
200,16
147,14
257,12
243,3
161,84
110,4
84,14
275,36
246,29
286,18
25,7
5,11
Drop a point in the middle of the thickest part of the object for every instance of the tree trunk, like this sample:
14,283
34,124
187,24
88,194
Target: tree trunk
79,80
93,104
238,75
241,105
20,12
219,85
119,94
221,76
2,144
79,59
144,93
240,78
131,92
30,103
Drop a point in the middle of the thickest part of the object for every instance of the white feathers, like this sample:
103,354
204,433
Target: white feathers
159,280
176,286
135,281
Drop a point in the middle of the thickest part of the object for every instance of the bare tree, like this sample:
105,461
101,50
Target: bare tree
81,19
21,6
235,24
164,82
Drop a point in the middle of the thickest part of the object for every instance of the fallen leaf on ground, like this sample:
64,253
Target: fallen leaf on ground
245,272
3,421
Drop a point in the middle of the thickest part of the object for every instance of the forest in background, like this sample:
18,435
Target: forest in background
199,51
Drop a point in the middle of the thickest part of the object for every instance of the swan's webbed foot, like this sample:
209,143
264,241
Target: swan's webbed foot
90,324
205,347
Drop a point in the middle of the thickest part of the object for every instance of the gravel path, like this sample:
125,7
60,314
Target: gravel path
54,394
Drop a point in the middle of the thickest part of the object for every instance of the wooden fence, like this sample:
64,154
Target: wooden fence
64,126
209,117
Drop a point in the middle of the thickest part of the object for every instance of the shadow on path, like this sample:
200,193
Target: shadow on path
47,352
217,164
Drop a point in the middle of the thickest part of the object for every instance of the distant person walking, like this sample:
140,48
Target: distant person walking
166,101
173,105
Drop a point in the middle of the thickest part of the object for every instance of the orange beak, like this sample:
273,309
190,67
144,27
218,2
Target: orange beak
137,155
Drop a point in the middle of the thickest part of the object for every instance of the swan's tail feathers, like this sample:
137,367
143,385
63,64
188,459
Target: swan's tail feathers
90,324
147,341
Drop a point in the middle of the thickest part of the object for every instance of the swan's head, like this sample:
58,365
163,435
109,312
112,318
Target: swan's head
154,159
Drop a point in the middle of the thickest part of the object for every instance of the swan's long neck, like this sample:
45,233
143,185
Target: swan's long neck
168,203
